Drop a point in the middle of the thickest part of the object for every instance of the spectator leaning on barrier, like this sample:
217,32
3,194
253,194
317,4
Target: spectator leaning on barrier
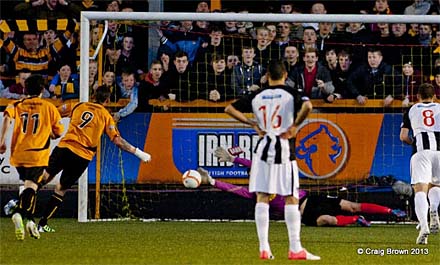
313,78
375,80
219,80
179,78
340,77
109,81
65,85
247,75
152,87
130,90
412,79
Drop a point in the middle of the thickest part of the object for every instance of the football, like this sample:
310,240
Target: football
191,179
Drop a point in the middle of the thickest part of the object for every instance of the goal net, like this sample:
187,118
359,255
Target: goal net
344,148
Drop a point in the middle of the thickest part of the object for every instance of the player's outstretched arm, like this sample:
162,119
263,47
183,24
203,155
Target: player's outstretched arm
126,146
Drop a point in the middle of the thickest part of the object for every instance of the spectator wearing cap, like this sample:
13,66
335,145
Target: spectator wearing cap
375,80
412,79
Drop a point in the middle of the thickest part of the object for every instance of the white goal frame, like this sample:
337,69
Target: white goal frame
175,16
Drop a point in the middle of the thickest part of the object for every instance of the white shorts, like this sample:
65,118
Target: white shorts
281,179
425,167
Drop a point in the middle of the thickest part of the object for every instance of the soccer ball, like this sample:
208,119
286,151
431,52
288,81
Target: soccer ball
191,179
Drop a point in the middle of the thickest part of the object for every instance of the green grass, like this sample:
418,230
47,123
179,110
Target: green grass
134,242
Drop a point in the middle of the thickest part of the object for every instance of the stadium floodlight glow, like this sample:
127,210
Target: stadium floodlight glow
177,16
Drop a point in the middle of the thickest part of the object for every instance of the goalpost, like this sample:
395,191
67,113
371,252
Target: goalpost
86,17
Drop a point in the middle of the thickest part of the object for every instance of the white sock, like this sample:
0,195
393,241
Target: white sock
421,206
292,216
434,198
262,222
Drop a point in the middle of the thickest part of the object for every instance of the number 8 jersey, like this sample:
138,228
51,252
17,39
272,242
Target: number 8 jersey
88,121
275,111
424,120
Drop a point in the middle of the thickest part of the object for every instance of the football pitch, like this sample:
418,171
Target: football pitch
136,242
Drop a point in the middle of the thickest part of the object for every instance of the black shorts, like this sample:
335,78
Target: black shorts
34,174
318,205
70,163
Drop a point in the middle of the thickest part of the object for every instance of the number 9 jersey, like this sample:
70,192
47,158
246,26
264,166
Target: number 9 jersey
87,123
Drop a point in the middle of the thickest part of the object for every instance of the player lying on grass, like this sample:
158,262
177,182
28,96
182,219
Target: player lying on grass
88,121
316,210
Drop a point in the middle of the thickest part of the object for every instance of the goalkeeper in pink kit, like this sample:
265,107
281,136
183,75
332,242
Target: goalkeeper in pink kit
316,210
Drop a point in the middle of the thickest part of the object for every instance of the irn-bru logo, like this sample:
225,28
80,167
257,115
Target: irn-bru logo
321,148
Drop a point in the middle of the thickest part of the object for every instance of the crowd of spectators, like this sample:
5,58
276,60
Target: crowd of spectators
219,61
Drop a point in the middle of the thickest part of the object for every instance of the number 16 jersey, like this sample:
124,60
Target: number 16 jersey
275,111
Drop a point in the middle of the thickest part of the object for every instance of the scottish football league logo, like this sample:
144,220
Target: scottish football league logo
321,148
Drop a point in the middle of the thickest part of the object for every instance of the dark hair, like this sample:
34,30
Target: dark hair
344,53
426,91
375,49
102,94
276,69
217,57
34,84
155,62
25,71
180,54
